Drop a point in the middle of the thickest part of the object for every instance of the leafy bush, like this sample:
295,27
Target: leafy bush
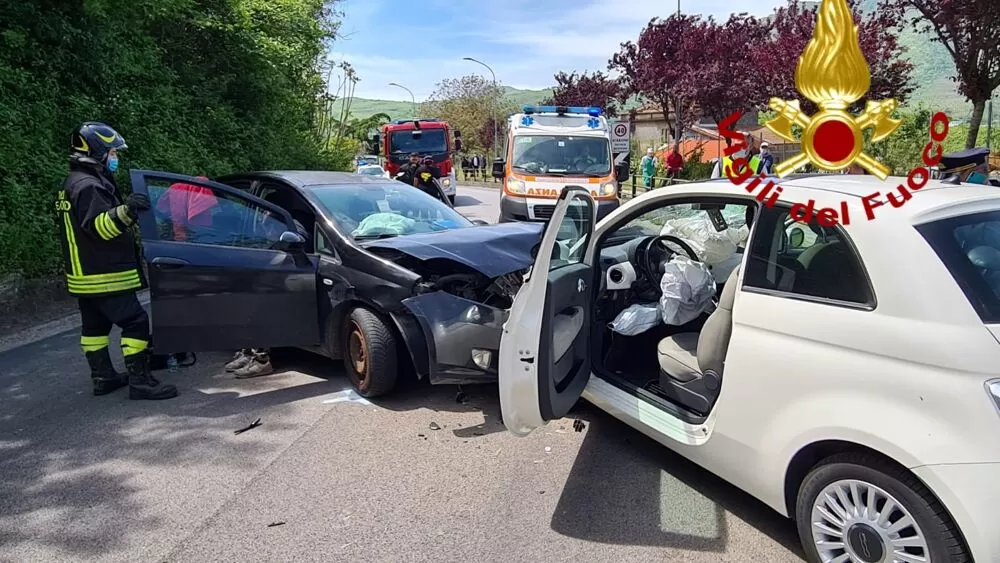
195,87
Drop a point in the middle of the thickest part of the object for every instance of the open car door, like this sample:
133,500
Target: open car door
226,270
545,346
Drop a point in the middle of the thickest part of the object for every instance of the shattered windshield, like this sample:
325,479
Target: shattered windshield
563,155
374,211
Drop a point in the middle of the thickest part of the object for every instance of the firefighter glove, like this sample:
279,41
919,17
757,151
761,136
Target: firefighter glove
137,203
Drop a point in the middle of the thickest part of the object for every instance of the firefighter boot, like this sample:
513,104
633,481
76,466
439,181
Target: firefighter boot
103,374
141,383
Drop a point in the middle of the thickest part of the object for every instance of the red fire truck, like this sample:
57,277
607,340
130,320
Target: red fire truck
428,136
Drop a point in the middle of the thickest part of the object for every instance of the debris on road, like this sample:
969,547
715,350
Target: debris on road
579,425
251,426
273,524
548,449
434,426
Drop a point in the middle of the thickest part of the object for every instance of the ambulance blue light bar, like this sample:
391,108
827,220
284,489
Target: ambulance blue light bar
592,111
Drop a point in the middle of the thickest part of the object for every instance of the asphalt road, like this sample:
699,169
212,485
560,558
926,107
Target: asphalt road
424,475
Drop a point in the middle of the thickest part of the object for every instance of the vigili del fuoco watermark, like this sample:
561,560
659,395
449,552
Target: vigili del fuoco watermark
767,192
833,74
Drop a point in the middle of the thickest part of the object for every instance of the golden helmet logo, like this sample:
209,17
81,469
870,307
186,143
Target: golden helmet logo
833,73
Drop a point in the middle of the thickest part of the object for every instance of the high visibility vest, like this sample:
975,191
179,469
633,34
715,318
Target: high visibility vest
727,164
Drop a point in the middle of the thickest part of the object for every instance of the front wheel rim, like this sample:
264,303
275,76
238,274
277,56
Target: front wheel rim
856,522
358,351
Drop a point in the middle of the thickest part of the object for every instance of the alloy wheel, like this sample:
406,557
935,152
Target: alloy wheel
856,522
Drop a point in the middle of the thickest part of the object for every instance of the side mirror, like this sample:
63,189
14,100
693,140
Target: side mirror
622,172
458,143
796,237
289,241
499,168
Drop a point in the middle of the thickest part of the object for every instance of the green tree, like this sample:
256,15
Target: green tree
902,150
197,87
467,103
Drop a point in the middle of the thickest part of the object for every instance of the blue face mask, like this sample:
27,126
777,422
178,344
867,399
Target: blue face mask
113,164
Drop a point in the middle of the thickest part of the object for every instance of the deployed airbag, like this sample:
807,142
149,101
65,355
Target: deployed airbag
384,223
636,319
688,290
711,246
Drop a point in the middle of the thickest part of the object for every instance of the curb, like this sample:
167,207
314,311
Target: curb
52,328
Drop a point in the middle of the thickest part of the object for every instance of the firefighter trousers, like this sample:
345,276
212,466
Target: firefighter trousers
99,314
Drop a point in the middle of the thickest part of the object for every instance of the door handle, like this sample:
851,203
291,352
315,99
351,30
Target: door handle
167,262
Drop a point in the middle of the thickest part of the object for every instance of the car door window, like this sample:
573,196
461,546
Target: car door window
574,232
323,244
196,213
797,259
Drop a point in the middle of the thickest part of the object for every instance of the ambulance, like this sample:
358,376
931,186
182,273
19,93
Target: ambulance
549,147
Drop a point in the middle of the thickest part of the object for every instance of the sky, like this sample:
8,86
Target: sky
417,43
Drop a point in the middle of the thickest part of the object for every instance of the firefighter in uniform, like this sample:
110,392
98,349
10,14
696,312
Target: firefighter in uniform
102,263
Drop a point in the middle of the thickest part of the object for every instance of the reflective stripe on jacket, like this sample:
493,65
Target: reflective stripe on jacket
727,164
99,252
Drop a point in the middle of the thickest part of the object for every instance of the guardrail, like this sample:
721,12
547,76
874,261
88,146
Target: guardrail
657,182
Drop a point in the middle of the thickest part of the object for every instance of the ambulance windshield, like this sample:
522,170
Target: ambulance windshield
562,155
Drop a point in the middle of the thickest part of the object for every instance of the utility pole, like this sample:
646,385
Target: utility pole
412,99
495,101
989,123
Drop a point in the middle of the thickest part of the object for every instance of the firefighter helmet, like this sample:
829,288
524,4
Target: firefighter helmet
94,140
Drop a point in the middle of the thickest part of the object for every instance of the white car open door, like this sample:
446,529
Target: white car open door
544,360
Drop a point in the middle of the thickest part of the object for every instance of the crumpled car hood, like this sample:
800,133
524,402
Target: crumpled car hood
494,250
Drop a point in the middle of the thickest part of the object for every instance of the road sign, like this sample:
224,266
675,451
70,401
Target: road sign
620,137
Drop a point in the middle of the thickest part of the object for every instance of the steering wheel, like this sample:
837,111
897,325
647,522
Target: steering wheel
654,252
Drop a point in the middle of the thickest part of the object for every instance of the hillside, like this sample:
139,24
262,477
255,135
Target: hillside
363,107
932,72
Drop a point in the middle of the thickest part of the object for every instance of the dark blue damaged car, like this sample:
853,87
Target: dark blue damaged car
357,268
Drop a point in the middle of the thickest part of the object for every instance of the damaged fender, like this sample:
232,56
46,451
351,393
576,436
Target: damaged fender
453,326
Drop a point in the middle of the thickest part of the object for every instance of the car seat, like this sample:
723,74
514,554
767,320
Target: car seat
692,363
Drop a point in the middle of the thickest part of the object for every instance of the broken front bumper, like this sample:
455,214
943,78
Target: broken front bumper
463,337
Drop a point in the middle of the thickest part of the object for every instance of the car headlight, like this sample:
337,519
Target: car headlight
446,182
516,187
608,189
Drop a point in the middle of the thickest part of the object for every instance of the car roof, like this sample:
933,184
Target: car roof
311,178
936,200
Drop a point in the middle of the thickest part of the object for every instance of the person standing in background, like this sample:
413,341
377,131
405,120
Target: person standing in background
766,165
648,167
675,162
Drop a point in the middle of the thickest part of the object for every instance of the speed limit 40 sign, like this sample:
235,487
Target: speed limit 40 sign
619,137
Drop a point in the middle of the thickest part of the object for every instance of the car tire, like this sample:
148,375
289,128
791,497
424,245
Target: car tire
845,475
369,351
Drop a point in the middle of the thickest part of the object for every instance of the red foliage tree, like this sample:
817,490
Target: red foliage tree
970,30
729,78
584,89
792,27
660,64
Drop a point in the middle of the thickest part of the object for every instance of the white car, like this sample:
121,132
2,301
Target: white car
372,170
849,376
